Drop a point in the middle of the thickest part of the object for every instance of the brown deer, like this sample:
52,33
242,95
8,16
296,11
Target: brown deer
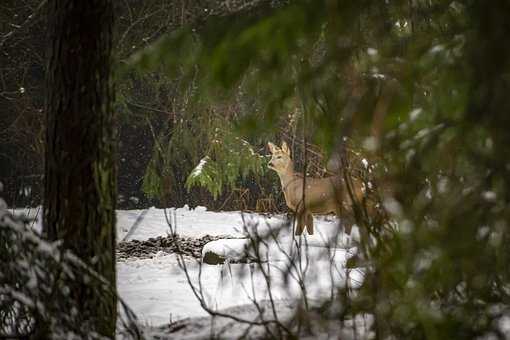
321,195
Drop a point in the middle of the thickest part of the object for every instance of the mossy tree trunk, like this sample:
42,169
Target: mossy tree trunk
80,192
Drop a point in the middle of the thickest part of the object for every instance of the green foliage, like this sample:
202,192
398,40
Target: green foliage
201,151
423,85
267,46
228,159
177,149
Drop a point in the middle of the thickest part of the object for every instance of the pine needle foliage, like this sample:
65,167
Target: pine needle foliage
178,147
203,151
228,160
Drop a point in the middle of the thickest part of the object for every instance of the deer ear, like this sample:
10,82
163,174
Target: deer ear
285,148
272,147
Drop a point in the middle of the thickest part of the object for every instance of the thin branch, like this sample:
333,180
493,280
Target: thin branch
136,22
142,106
27,21
200,297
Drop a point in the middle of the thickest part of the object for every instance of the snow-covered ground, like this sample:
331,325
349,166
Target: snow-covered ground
157,289
159,293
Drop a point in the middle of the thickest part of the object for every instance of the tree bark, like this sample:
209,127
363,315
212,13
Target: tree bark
80,192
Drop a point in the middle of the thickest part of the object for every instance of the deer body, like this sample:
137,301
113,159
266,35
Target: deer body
321,195
318,195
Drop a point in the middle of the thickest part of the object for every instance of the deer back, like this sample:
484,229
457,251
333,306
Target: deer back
322,195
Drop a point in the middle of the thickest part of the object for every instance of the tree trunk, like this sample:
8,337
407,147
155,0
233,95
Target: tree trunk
80,192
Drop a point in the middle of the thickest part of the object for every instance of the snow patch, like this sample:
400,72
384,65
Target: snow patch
198,169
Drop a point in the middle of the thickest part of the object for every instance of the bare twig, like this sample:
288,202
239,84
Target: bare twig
24,24
198,292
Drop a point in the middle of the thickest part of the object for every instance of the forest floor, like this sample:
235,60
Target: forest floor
152,282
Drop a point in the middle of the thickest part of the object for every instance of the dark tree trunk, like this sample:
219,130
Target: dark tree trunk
80,193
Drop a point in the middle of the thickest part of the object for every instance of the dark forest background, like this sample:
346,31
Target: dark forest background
152,108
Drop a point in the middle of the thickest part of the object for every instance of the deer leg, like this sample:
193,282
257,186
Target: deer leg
347,226
300,219
309,223
345,220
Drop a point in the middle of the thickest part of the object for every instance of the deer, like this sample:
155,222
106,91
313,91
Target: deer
321,195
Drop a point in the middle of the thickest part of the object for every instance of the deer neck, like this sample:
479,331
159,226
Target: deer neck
287,177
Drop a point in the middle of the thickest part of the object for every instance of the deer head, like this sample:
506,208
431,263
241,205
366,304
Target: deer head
280,160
